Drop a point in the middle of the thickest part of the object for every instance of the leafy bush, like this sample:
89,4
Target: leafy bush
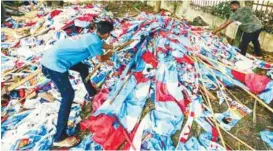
267,20
222,10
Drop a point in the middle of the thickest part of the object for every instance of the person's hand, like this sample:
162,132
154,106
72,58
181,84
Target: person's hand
214,32
110,63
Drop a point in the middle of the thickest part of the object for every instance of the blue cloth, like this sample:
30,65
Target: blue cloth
267,136
70,51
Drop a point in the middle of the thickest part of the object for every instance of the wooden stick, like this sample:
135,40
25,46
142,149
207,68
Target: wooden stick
94,71
259,100
13,70
233,95
206,58
254,112
123,85
211,96
29,77
213,115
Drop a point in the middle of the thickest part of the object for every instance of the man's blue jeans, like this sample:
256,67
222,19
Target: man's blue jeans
61,81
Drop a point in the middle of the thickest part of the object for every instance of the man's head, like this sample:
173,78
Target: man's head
234,5
104,28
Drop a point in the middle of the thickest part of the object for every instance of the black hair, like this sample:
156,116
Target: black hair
234,3
104,27
225,120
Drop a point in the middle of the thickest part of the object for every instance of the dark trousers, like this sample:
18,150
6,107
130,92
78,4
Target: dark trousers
61,81
251,37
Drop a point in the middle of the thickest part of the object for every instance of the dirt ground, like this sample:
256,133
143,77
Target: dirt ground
246,129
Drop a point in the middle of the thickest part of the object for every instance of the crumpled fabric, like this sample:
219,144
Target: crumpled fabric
106,131
267,137
34,129
191,144
202,143
256,83
267,94
99,99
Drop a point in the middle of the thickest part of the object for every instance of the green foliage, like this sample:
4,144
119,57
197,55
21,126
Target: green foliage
267,20
222,10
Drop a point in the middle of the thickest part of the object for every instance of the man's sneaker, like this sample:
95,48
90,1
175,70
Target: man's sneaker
68,142
258,56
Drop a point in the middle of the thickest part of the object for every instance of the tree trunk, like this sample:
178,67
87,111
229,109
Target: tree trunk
157,6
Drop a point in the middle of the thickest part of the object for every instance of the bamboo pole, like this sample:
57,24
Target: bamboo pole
93,72
29,77
254,112
123,85
209,102
211,96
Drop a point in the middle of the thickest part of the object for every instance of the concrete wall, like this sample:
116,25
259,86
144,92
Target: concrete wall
183,9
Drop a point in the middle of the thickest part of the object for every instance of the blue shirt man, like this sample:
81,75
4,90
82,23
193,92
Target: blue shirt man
71,51
67,55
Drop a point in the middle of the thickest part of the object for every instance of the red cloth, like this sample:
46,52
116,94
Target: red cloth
30,23
115,139
256,83
55,13
8,24
87,17
120,69
89,6
140,78
267,65
17,44
163,95
238,75
132,135
149,58
184,59
21,93
68,25
214,134
99,99
104,132
164,50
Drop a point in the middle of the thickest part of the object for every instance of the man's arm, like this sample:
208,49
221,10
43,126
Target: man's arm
105,57
223,26
107,46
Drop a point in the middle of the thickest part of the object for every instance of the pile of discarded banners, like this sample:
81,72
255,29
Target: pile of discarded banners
170,63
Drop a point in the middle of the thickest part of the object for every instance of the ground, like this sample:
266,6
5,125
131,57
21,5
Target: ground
246,129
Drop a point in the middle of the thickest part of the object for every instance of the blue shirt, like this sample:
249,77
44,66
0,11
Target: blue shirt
72,50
